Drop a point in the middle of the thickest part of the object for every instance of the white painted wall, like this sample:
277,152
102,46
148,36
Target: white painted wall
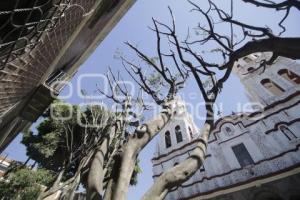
260,146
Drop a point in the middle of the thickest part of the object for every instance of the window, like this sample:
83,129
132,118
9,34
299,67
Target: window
228,131
168,139
287,132
191,132
272,87
247,59
242,155
250,69
202,169
289,76
178,134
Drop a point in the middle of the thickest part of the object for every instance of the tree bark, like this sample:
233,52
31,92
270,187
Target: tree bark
182,172
285,47
58,178
109,189
96,171
95,177
136,142
70,191
125,171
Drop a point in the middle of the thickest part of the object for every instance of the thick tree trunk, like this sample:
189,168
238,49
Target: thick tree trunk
181,172
58,178
70,192
109,189
136,142
95,177
96,171
127,166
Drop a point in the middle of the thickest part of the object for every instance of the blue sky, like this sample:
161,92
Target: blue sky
134,28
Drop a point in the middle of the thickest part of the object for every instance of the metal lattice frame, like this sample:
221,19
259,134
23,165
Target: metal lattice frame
22,24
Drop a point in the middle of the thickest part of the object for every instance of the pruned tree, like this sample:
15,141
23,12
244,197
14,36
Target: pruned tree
110,157
136,132
184,170
169,70
188,58
285,5
67,142
244,39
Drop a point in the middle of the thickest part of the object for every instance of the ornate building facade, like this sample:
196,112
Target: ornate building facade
250,156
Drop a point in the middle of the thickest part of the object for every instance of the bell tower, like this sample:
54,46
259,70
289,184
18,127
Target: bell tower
179,131
269,84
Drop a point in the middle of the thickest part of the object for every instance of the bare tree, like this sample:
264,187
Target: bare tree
261,40
170,71
184,170
284,5
112,162
253,38
137,135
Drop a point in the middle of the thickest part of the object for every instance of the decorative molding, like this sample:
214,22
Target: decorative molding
241,168
249,183
276,127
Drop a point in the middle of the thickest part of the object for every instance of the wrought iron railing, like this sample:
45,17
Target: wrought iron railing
22,24
57,81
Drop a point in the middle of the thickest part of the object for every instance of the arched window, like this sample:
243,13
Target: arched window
272,87
287,132
191,132
290,76
178,134
168,139
247,59
250,69
202,169
229,131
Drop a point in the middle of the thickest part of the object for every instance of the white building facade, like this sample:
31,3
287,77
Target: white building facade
250,156
4,165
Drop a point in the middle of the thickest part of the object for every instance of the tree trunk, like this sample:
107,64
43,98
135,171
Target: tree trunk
136,142
26,162
96,172
33,165
58,178
70,191
182,172
109,189
127,166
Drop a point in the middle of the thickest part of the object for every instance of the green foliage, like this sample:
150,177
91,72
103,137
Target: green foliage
136,171
62,137
155,80
24,183
48,147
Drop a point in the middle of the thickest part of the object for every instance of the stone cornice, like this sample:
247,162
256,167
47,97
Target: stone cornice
189,146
